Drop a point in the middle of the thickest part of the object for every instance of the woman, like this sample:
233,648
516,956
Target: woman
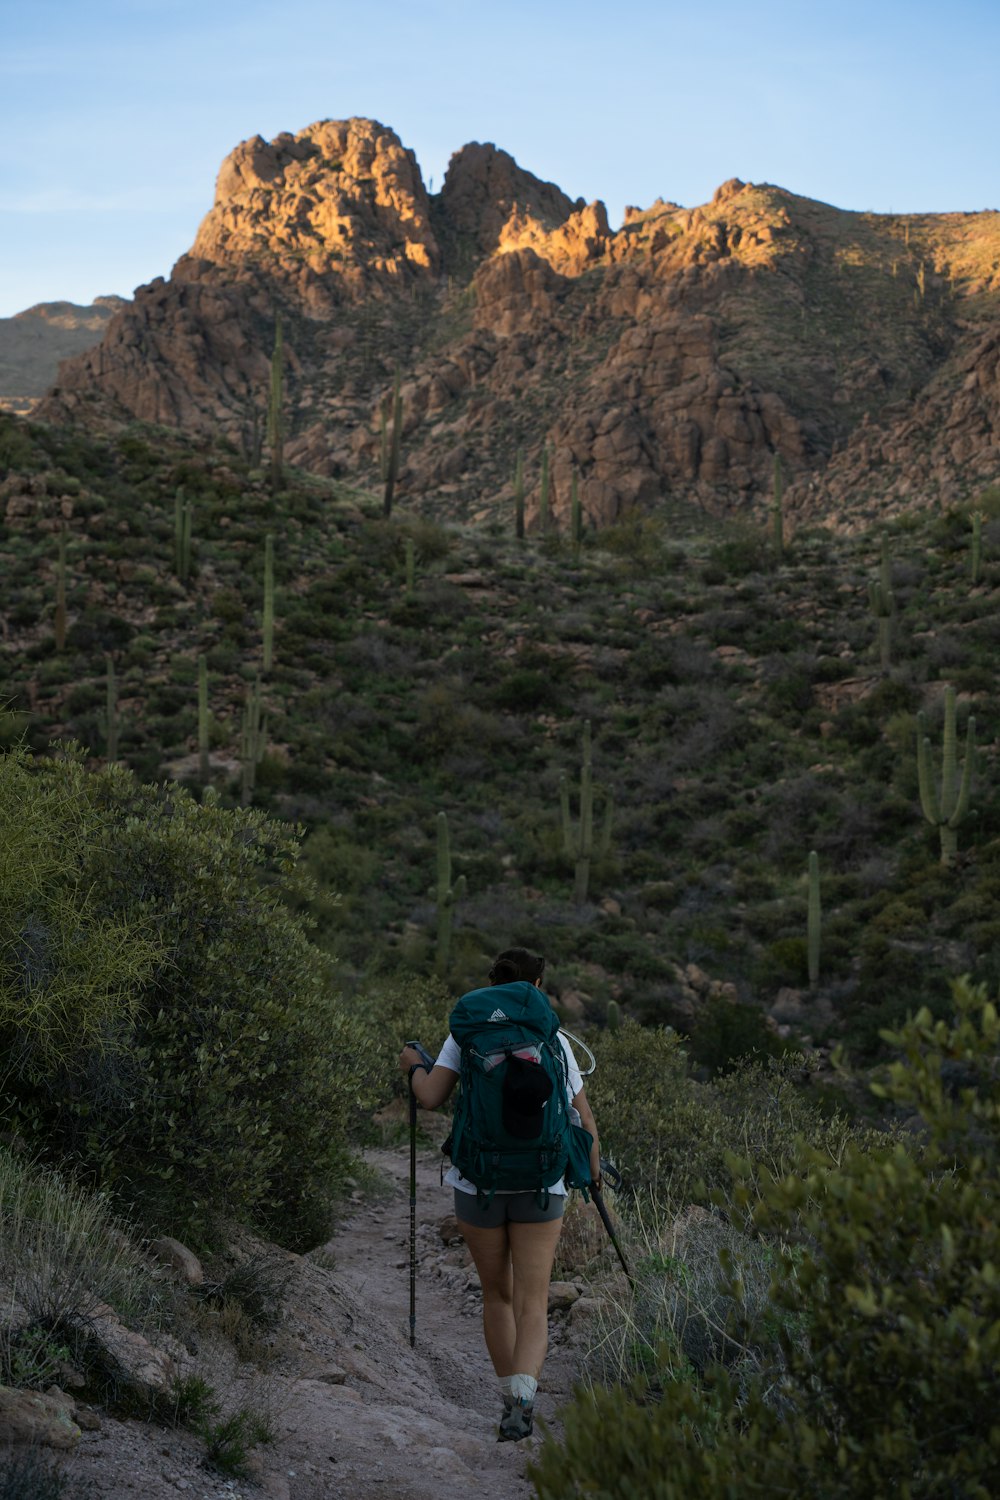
512,1241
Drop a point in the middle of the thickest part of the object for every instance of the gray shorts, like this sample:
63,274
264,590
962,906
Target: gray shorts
507,1208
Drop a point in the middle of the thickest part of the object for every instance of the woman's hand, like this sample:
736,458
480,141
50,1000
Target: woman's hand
410,1058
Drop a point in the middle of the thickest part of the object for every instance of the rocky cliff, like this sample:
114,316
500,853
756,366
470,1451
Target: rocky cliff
673,357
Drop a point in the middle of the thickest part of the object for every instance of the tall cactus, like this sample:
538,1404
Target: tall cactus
276,405
267,623
814,919
183,521
543,493
579,842
614,1016
204,722
60,620
976,550
946,809
778,510
392,462
253,738
519,496
883,604
447,893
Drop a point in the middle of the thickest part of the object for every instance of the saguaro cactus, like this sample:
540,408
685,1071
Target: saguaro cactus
883,604
543,493
204,769
60,620
946,809
183,514
614,1016
253,738
276,406
778,510
814,919
519,496
579,842
447,893
267,623
391,462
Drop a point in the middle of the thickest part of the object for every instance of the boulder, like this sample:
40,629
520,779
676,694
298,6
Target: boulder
179,1258
131,1361
562,1295
36,1417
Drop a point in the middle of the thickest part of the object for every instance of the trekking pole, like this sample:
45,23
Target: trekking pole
428,1064
614,1177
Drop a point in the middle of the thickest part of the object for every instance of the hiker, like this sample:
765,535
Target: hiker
512,1235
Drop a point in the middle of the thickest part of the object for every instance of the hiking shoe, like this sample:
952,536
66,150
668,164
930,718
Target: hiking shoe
516,1423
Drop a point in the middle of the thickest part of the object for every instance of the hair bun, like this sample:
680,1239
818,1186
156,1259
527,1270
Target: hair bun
516,963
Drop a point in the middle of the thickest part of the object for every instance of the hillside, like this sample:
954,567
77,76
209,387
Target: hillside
739,715
669,360
33,343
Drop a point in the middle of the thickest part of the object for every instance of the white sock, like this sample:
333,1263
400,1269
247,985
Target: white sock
523,1388
505,1381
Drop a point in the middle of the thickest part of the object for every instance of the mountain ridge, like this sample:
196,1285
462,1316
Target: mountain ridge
675,357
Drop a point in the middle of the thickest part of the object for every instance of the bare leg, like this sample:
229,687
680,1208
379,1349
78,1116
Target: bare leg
532,1251
491,1252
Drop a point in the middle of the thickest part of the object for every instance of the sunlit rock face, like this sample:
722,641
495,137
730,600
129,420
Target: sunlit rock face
674,358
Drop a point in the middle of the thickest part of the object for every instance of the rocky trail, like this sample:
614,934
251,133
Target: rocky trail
354,1410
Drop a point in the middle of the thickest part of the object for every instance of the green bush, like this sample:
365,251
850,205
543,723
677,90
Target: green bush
890,1388
169,1021
726,1032
672,1135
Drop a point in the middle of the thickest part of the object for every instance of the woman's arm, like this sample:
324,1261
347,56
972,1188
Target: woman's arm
582,1103
430,1089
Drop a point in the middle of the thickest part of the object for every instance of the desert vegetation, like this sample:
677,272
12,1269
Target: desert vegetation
282,771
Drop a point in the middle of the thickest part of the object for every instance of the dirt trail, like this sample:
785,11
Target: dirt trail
357,1413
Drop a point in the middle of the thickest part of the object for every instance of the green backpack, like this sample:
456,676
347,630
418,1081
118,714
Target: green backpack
513,1128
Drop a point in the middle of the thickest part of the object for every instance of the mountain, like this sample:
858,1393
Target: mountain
675,357
32,343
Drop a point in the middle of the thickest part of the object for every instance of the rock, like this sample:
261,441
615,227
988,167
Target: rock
562,1294
179,1258
450,1230
584,1310
130,1359
34,1417
485,188
788,1007
573,1004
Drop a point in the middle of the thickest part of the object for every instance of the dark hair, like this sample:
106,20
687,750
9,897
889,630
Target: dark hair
516,963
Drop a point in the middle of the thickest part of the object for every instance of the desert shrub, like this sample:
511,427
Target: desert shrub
389,1010
725,1032
889,1387
673,1136
169,1021
699,1297
62,1252
30,1474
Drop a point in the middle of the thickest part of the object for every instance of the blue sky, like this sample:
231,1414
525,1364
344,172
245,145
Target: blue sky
116,114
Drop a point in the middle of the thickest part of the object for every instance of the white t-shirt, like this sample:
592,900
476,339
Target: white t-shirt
450,1056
